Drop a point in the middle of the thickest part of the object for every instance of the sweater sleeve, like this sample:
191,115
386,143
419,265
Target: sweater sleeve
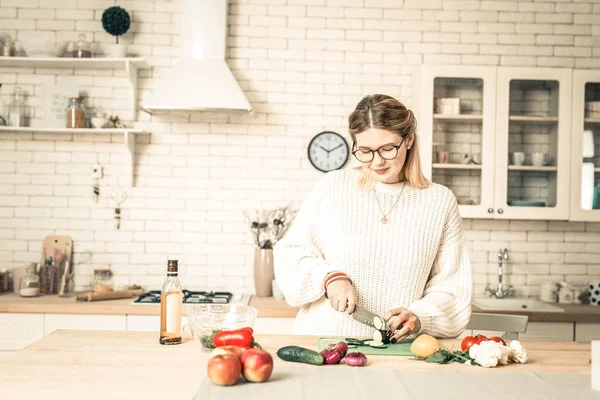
445,308
300,267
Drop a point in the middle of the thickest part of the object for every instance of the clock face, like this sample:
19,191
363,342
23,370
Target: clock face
328,151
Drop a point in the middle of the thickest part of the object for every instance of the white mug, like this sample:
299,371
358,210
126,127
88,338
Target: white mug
539,159
549,292
517,158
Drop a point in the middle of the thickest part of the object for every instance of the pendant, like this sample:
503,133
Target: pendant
384,220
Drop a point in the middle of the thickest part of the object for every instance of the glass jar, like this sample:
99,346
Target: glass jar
16,110
3,110
83,48
29,286
75,113
102,281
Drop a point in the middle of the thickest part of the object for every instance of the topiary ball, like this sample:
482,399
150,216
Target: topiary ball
116,21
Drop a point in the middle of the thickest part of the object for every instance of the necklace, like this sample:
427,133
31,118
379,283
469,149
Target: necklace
384,219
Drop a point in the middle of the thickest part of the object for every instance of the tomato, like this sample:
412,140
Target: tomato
498,339
467,342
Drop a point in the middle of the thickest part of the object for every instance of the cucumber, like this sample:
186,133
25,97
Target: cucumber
300,354
376,344
381,336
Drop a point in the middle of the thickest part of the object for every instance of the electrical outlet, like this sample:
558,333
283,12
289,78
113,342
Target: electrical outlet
97,171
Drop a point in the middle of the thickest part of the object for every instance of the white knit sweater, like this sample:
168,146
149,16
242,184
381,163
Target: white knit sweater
418,260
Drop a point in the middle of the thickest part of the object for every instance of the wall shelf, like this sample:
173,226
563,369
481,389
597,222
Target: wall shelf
457,118
532,118
129,65
128,139
456,166
592,120
532,168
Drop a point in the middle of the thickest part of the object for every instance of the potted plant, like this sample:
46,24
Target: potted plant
116,22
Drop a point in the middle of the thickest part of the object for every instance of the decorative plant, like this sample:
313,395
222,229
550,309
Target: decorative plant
269,226
116,21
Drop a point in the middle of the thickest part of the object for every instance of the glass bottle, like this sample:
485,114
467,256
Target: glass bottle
29,286
75,113
3,110
171,304
16,110
102,281
83,48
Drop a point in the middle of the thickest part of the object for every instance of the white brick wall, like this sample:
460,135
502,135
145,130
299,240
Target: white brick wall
303,64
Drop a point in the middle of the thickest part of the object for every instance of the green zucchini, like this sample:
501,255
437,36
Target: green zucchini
300,354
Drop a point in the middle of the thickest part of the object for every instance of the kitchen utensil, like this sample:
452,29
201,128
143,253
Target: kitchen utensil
594,292
549,292
113,295
66,275
539,159
401,348
118,196
51,270
366,317
465,158
205,319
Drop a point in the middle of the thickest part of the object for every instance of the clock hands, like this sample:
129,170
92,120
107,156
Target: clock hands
337,147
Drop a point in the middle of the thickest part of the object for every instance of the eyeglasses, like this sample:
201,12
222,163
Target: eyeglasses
387,152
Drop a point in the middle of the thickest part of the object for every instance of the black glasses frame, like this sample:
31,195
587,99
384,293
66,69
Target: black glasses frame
378,152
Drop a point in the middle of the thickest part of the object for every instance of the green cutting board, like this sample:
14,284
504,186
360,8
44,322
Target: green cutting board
396,349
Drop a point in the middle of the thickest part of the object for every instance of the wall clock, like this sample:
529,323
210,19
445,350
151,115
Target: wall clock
328,151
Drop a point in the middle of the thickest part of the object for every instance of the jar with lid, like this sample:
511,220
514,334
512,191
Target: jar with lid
17,110
83,48
29,286
102,281
75,113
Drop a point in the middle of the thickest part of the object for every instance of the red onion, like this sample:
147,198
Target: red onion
356,359
334,352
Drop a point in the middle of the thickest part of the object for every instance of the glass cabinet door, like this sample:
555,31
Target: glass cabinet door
585,173
456,127
532,158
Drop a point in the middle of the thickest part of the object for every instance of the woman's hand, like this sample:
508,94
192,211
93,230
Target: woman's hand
341,295
401,317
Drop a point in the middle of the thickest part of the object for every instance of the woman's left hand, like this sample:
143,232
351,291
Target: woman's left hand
401,317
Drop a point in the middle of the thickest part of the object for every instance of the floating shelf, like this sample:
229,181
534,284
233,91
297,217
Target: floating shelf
456,166
458,118
592,120
128,139
532,118
532,168
596,169
129,65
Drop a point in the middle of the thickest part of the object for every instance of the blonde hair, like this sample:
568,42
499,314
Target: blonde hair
385,112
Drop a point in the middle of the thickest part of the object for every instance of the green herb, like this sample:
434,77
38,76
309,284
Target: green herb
445,357
207,340
356,342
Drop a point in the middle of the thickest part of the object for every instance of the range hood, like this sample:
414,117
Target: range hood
200,79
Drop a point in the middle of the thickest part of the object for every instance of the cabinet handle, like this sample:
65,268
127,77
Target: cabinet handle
500,211
490,210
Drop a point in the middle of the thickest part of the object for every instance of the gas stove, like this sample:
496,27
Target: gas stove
195,297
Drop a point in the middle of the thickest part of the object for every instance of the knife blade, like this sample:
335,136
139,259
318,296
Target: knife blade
366,317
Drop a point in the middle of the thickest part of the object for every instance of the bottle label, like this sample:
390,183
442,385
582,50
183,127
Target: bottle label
173,317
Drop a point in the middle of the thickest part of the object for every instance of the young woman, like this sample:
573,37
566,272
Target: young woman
380,236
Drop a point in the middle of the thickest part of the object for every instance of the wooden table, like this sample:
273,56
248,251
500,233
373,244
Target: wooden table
132,365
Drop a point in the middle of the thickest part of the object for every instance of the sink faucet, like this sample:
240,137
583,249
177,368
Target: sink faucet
500,292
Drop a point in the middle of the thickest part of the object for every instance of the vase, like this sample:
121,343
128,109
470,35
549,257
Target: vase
116,50
263,272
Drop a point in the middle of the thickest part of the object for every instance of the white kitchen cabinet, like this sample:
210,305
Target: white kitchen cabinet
585,165
533,117
274,326
471,133
20,330
586,332
502,111
93,322
555,331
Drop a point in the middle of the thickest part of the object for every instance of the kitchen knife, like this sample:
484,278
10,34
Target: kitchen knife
366,317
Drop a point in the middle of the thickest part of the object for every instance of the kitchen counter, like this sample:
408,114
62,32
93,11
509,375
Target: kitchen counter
124,365
267,307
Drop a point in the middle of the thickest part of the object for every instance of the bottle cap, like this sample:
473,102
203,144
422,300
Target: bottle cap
172,265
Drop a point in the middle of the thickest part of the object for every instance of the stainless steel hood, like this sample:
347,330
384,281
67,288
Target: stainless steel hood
200,79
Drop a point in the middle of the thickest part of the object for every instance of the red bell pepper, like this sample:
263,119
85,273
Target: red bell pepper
242,337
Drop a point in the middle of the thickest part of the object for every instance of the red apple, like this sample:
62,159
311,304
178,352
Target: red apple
224,370
234,350
257,365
